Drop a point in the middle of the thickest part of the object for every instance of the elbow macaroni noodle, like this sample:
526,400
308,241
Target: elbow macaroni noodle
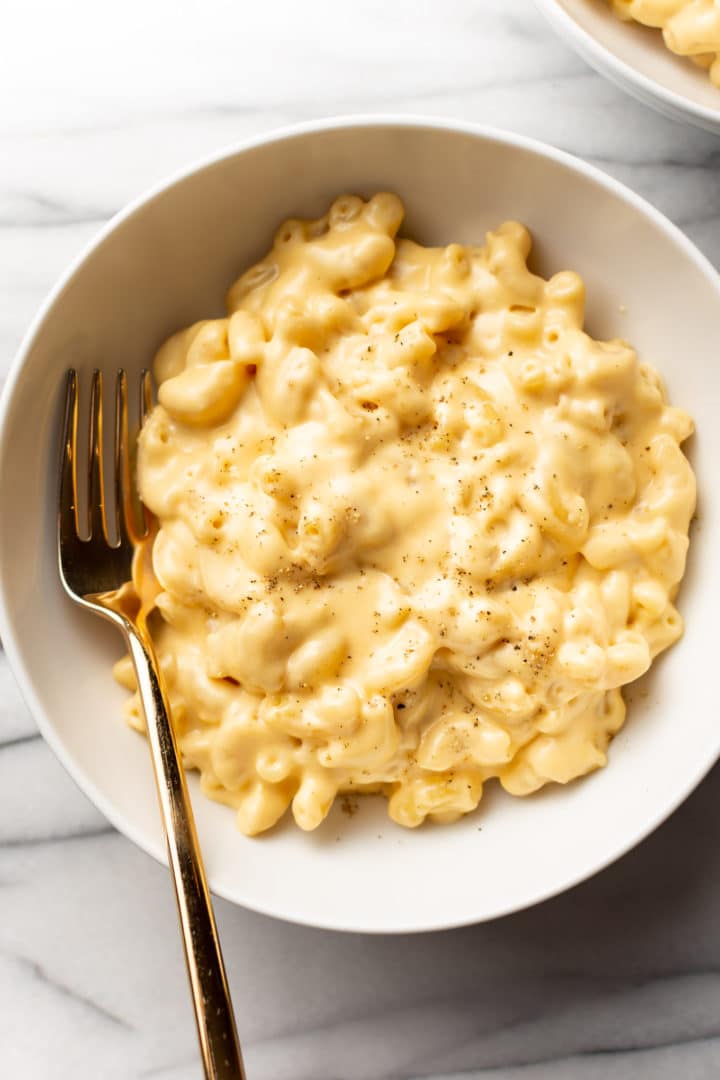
689,27
416,528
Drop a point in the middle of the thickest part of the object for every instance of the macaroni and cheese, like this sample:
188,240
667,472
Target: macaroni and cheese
415,528
689,27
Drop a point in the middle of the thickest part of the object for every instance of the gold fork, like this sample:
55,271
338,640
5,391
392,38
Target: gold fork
93,564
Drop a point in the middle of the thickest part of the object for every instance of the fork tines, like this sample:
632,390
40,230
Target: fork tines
122,510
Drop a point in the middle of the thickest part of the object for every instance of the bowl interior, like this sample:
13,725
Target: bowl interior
640,51
167,262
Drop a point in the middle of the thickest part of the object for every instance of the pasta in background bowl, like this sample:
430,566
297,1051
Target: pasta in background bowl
166,263
632,52
690,28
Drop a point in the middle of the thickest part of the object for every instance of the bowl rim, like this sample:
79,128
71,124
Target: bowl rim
582,871
671,104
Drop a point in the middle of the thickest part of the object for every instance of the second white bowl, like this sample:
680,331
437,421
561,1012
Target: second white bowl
637,60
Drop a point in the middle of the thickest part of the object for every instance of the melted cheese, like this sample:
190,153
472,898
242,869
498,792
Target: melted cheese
415,527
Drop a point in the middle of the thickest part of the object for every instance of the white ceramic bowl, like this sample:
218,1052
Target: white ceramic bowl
165,262
637,60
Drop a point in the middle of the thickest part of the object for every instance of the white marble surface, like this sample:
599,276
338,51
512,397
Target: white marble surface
619,978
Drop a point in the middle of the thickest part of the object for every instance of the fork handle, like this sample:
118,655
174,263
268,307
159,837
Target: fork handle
219,1045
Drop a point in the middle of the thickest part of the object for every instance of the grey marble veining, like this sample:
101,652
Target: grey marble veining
620,977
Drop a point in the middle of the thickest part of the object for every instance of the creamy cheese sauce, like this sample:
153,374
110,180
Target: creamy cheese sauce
415,527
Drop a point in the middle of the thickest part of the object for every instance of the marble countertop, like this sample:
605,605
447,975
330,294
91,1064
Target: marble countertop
621,976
